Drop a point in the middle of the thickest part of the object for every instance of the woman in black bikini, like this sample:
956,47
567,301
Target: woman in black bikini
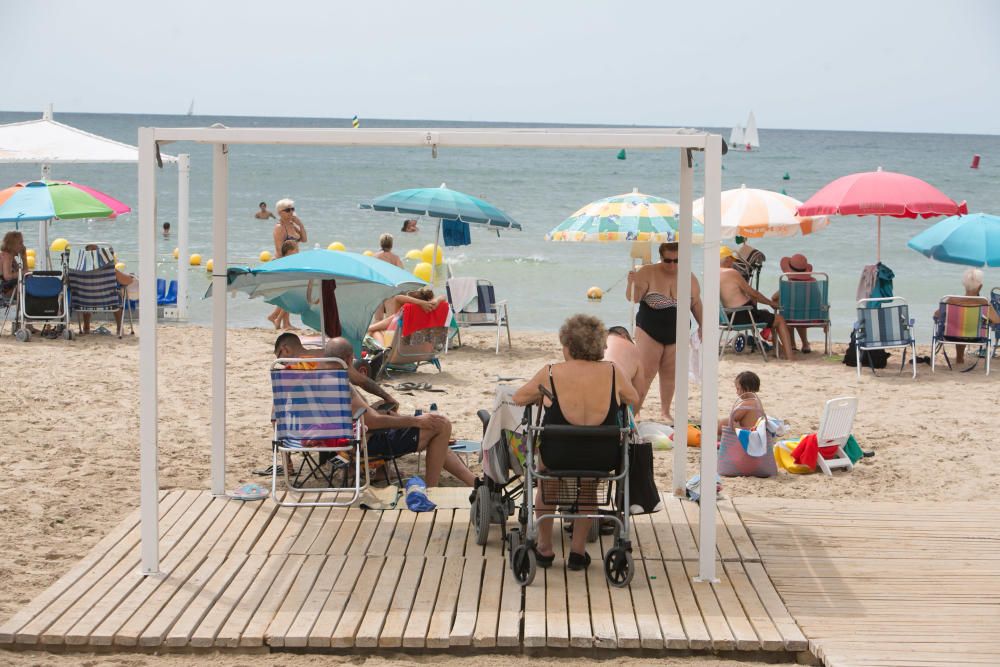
586,391
654,288
287,228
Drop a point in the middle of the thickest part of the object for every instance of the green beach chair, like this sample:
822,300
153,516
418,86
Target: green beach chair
963,323
885,324
804,301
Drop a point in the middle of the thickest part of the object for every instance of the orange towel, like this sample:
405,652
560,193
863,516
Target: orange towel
415,319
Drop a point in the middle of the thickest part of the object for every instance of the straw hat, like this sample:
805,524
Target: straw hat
797,263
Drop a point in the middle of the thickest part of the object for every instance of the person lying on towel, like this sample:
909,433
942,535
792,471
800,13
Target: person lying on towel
423,297
394,435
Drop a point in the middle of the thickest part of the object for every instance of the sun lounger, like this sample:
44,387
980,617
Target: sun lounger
409,349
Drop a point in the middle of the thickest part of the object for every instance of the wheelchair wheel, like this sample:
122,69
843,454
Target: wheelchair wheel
619,566
739,343
522,516
523,564
22,335
481,512
68,333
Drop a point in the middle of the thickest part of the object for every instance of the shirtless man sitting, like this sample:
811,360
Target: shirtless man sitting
622,352
395,434
736,292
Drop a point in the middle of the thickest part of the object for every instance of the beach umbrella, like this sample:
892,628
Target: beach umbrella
317,284
755,214
55,200
629,217
880,193
443,203
972,240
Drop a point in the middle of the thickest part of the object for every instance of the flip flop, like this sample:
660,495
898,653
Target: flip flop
250,491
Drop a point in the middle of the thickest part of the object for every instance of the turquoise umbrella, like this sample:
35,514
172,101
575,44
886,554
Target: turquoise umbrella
294,283
972,240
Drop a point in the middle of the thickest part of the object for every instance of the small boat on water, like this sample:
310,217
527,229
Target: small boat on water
191,108
750,139
736,136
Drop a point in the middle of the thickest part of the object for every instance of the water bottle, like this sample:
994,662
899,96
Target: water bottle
433,409
416,496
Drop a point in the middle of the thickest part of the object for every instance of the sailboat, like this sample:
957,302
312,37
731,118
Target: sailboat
750,138
736,136
191,108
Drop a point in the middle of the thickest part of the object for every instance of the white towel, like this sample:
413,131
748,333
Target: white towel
463,292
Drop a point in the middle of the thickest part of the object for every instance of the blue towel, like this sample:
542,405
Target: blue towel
416,496
455,233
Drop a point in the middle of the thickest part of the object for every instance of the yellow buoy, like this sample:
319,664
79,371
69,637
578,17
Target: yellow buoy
30,252
31,262
177,253
120,266
209,265
413,254
595,293
195,260
368,253
423,271
337,245
59,245
265,256
427,254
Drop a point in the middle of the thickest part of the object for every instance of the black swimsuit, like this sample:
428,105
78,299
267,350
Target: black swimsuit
554,415
657,316
561,451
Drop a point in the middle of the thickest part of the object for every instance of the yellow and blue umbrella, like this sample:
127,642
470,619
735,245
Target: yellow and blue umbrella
629,217
971,240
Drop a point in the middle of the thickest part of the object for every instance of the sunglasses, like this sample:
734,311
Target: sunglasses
290,209
670,261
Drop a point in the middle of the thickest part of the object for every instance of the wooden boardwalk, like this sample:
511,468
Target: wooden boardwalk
883,584
253,575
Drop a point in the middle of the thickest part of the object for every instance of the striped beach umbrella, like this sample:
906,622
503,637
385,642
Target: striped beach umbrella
629,217
754,214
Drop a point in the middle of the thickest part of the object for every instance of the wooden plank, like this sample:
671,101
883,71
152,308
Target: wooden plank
176,585
739,624
297,635
232,630
238,527
438,540
624,612
770,638
302,585
669,619
348,531
401,534
403,599
381,599
328,531
439,630
646,621
427,593
310,530
273,530
121,539
645,545
354,611
737,531
467,608
509,620
715,620
175,523
577,599
663,528
490,600
176,611
556,614
205,632
694,625
293,529
790,632
601,619
336,602
725,549
420,534
459,533
381,525
255,528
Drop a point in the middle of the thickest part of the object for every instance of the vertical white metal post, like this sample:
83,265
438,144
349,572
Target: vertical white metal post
710,359
148,456
683,326
220,211
434,260
183,210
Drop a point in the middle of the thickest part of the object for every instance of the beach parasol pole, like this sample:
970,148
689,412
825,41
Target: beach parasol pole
878,237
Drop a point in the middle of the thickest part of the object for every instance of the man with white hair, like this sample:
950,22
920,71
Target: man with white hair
972,281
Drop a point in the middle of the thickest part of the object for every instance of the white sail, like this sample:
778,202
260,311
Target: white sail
750,137
191,108
736,136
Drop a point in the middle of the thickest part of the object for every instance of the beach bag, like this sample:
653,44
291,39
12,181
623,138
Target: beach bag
734,461
870,358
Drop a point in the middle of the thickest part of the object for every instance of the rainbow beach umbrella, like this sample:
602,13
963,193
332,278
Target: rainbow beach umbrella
629,217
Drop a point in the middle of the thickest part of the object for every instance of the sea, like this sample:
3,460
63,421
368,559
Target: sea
543,282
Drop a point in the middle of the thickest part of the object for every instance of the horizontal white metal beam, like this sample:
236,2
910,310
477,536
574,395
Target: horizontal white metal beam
635,138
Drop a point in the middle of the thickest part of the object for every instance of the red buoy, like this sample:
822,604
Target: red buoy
975,162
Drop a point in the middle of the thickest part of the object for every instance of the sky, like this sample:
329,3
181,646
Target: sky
881,65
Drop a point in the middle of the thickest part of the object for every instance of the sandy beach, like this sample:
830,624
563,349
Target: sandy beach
71,449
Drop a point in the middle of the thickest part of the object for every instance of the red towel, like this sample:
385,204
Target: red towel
416,319
806,452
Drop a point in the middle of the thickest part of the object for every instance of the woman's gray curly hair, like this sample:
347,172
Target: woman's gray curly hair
584,336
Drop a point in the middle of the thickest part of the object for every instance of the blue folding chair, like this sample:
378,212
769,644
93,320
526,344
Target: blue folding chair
885,324
312,418
804,301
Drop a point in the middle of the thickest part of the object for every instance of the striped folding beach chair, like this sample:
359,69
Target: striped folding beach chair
740,335
95,291
963,323
804,301
313,420
885,324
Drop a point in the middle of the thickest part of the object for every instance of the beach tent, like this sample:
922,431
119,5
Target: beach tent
47,142
224,140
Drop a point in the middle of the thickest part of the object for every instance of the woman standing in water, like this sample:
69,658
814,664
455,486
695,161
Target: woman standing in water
287,228
654,288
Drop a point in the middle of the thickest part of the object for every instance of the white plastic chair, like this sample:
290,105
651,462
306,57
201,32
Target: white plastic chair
834,430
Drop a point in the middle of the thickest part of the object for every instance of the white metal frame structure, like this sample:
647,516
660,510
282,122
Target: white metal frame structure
221,139
95,149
